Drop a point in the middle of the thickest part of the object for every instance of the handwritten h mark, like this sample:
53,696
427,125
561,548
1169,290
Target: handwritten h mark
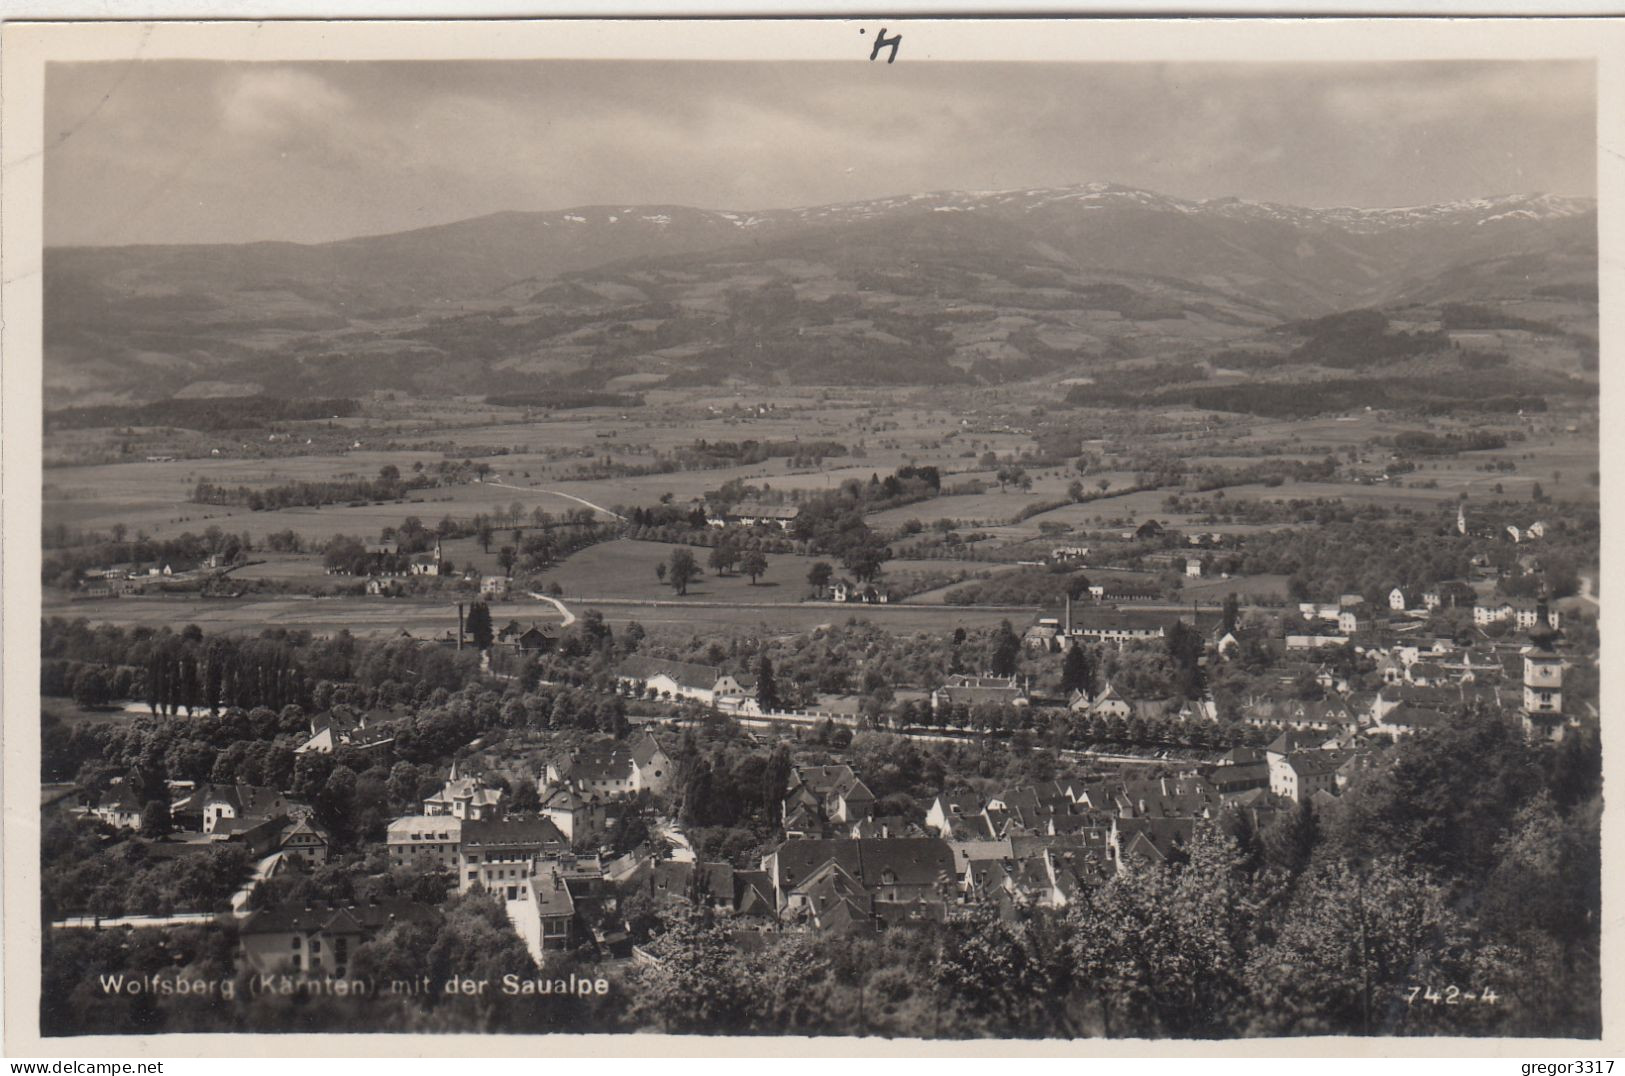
882,41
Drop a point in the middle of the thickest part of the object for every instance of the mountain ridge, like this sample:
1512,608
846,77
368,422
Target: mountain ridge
1531,204
979,285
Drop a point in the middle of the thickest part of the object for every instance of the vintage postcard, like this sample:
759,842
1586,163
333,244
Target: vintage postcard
1086,534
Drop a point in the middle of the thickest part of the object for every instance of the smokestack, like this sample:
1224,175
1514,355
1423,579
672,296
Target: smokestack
1069,613
459,625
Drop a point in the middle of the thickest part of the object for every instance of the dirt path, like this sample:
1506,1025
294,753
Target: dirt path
564,610
558,493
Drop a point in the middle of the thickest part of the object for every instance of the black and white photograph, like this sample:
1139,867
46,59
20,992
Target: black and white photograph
1039,547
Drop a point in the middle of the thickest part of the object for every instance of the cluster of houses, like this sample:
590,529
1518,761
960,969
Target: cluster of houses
383,560
1510,531
1407,610
840,868
117,582
1422,681
270,825
385,565
532,861
343,727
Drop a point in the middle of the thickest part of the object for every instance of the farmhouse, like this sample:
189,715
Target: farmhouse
970,691
845,590
661,678
119,809
752,514
231,808
1113,625
305,843
1314,642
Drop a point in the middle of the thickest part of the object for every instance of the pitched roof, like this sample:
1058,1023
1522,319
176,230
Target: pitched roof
965,802
248,801
1316,763
512,832
120,798
820,781
644,749
1157,839
970,696
1330,712
471,789
977,827
1414,717
337,918
686,674
1292,740
304,827
910,860
425,827
753,893
1232,775
597,762
549,891
1441,696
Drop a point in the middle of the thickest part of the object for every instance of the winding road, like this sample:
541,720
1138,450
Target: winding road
564,610
557,493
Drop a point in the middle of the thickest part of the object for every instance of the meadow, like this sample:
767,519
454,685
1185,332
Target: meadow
537,459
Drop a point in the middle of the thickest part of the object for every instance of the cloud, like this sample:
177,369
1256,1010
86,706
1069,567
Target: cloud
277,103
170,151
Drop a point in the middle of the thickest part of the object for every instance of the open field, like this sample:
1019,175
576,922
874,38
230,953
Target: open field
359,615
545,453
993,506
948,429
429,619
304,568
1243,586
626,569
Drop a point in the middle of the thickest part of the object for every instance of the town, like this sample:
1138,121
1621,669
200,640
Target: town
576,547
596,799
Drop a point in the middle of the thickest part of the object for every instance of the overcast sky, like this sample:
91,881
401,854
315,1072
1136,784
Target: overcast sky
167,152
